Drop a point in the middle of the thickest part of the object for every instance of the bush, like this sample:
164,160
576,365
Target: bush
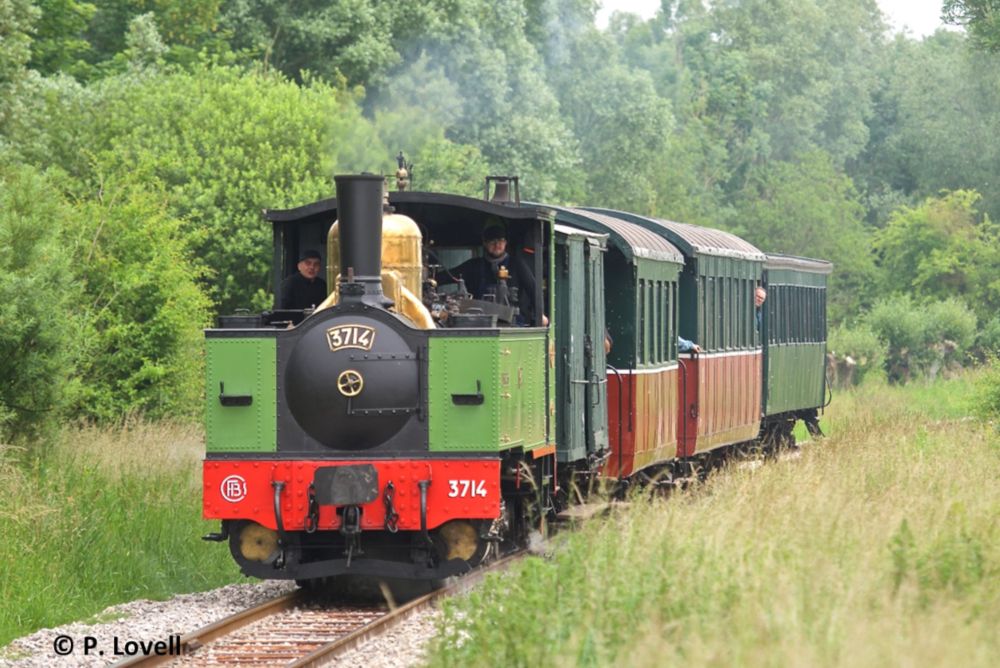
922,339
36,288
988,340
142,311
987,402
865,349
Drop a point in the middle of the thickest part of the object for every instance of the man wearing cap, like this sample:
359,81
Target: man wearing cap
304,289
480,273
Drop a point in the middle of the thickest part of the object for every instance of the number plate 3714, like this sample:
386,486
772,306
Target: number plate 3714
361,337
466,488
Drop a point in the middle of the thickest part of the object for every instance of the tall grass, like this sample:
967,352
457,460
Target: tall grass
878,546
103,516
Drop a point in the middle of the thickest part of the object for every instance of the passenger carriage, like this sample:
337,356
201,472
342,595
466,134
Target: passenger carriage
794,331
639,294
720,388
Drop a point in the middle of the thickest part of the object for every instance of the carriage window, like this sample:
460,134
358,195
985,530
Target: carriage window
651,327
725,313
640,352
710,317
822,318
750,321
651,330
732,313
673,321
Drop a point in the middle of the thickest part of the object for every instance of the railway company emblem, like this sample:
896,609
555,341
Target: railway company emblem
233,488
361,337
350,383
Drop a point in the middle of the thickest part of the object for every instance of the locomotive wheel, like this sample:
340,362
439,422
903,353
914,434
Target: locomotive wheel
254,542
459,539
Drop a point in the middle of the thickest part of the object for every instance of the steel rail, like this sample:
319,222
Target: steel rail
199,637
191,642
331,651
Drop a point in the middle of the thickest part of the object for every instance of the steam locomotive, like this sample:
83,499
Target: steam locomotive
401,430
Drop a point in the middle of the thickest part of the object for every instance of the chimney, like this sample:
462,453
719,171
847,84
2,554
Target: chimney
359,212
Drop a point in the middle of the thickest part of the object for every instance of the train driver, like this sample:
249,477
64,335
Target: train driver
480,273
304,289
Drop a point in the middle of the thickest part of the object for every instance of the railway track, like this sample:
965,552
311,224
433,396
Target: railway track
299,630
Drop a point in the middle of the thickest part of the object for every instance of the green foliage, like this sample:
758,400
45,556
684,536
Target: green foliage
441,165
988,339
350,39
940,249
138,349
622,124
501,102
221,143
803,73
863,346
103,517
805,207
922,339
980,17
987,402
17,18
36,289
920,146
60,43
855,554
89,40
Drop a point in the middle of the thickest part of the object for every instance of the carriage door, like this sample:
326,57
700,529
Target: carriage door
596,421
571,378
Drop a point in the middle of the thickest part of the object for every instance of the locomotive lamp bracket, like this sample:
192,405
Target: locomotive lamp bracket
279,487
218,537
476,399
423,485
233,399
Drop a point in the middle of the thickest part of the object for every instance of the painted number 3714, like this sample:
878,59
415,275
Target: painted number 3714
466,488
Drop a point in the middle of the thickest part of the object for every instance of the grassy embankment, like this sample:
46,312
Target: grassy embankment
104,516
878,546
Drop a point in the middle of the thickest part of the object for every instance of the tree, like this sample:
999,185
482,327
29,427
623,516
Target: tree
980,17
622,125
938,106
142,310
88,40
36,330
350,39
17,19
942,248
805,207
504,106
60,43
